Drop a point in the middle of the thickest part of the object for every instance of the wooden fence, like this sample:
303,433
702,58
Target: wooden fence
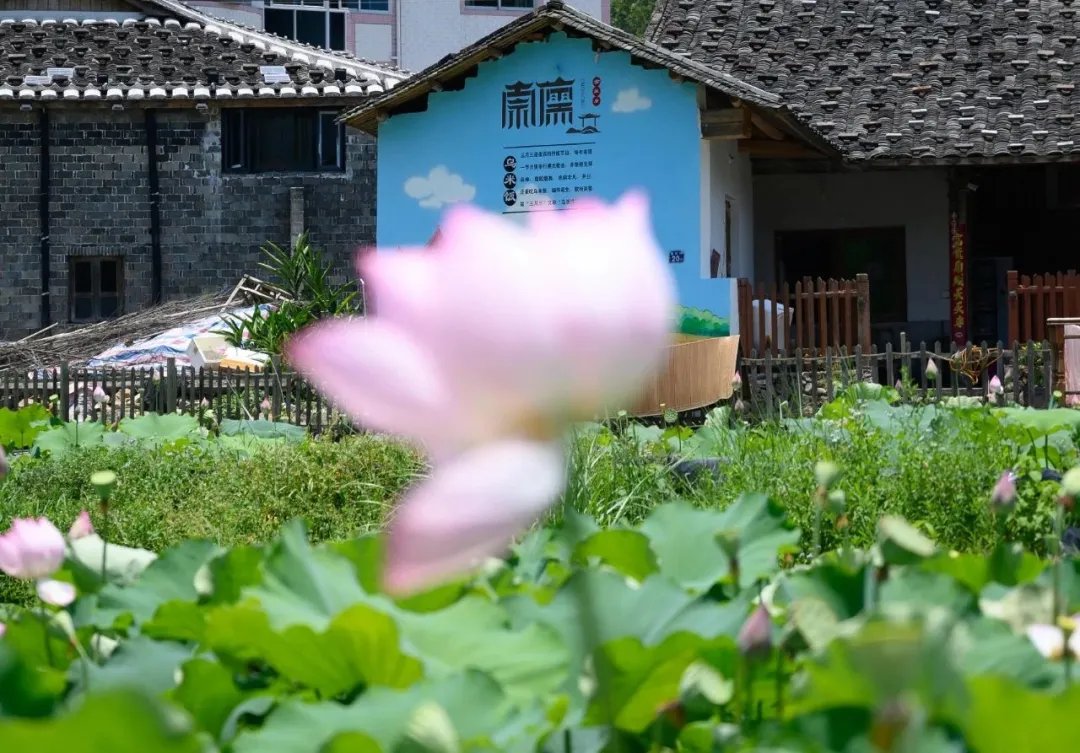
1034,299
798,385
68,392
819,315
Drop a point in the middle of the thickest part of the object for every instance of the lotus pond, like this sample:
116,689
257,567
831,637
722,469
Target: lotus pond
708,589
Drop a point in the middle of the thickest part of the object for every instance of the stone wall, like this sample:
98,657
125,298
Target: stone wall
212,224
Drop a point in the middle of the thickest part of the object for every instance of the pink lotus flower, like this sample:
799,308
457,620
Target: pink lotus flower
3,629
99,395
1004,495
995,388
82,526
482,348
33,549
1051,642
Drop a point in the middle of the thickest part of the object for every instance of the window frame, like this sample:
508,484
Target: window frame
238,132
95,295
500,6
325,7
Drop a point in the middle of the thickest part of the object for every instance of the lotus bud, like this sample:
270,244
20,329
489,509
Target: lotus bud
736,382
1003,496
82,526
740,406
3,463
1070,488
755,636
826,473
899,385
837,502
99,395
995,388
931,371
3,629
265,405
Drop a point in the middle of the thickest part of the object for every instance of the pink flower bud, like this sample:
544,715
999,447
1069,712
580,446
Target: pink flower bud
736,382
755,637
931,371
100,396
31,549
81,527
995,388
3,463
1004,495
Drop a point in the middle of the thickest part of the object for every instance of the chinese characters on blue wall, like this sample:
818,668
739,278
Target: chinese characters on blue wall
545,171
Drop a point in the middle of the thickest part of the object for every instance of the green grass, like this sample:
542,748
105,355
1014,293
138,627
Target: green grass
164,496
934,469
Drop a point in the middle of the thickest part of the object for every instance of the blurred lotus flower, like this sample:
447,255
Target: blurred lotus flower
1003,497
3,463
482,347
245,335
82,526
994,388
1051,642
755,636
736,382
265,406
33,549
99,395
899,386
1070,483
3,629
931,371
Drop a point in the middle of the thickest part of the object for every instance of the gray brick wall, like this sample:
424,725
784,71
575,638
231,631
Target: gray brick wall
212,223
20,268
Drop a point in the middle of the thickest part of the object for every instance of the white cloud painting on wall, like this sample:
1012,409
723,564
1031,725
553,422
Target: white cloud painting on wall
631,100
439,188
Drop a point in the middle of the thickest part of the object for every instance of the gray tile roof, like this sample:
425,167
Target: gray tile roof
185,54
555,15
901,80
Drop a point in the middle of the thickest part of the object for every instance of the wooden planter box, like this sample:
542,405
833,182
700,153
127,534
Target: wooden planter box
698,373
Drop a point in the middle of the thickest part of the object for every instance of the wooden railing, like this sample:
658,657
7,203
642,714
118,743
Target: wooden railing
818,315
798,385
1033,300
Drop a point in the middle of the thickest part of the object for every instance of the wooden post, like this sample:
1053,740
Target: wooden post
170,385
862,303
65,398
1013,281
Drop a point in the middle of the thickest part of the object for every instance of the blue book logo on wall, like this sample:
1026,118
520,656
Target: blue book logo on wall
676,257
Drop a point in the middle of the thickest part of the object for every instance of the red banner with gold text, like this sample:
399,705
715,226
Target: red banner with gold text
958,312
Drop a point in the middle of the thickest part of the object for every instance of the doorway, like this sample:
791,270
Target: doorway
878,252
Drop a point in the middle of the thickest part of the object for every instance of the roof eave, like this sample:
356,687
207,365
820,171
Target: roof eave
550,18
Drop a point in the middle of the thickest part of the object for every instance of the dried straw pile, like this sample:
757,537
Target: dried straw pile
76,346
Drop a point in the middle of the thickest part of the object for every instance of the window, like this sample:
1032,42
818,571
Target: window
500,4
95,287
292,140
375,6
316,26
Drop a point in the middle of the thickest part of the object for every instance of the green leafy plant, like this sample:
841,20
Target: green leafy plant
302,274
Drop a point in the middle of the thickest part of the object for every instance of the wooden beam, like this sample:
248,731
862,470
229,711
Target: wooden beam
766,127
726,125
778,149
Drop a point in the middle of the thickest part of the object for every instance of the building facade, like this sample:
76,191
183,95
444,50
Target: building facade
149,157
557,107
410,34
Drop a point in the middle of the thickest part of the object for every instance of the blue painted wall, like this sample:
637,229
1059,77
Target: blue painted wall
551,122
